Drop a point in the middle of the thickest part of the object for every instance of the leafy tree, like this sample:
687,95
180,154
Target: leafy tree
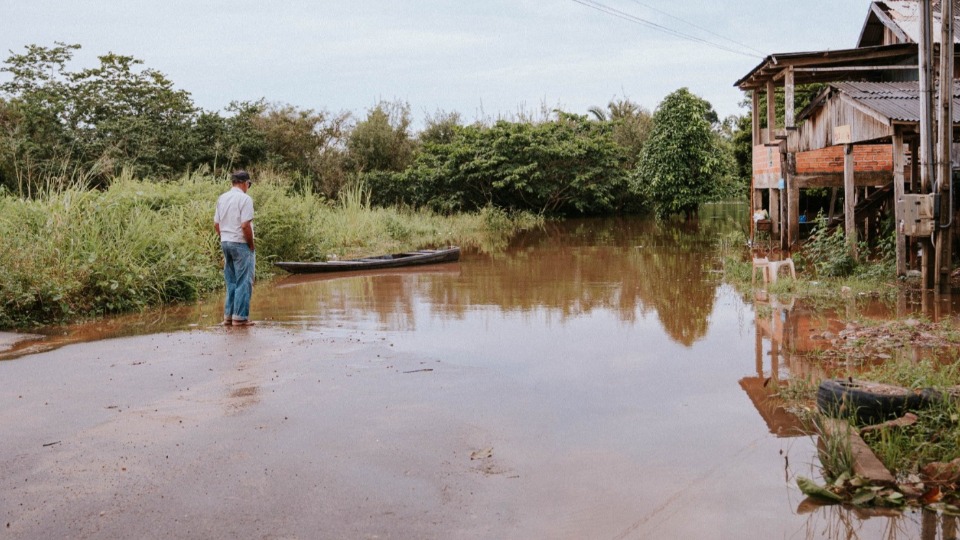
100,119
742,141
685,162
306,143
569,165
441,128
631,126
36,143
133,117
382,141
234,140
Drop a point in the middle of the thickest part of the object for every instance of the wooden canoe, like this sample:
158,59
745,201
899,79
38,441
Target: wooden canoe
409,258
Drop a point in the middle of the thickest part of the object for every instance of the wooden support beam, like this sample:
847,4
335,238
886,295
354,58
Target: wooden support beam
773,66
865,463
914,165
771,111
755,111
821,59
898,164
853,68
849,200
774,195
793,201
788,102
835,180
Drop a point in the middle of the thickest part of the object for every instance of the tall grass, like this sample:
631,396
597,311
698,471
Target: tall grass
75,253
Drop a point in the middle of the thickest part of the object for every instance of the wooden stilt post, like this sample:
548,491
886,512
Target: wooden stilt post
942,235
849,200
774,195
755,111
793,201
783,196
771,112
914,165
788,105
755,197
911,242
790,171
897,195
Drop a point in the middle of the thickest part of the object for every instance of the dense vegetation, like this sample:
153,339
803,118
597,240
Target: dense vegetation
61,127
108,176
684,163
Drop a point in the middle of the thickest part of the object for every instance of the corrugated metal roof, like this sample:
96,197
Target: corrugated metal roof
898,101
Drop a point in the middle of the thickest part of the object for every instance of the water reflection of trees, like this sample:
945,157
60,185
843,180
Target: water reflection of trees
629,266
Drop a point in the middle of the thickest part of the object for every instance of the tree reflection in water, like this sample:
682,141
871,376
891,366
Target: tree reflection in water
633,267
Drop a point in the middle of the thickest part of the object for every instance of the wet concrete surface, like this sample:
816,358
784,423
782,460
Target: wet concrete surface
268,433
578,386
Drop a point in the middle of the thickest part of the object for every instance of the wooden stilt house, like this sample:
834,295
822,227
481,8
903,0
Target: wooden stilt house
859,136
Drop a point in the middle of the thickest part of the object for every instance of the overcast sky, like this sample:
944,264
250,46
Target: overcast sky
481,58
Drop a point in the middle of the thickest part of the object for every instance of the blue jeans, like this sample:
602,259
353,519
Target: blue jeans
238,269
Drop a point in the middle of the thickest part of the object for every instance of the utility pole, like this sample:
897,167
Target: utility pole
942,233
925,51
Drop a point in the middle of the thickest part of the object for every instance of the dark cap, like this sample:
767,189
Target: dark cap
240,176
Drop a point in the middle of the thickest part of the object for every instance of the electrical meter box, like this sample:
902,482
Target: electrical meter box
917,214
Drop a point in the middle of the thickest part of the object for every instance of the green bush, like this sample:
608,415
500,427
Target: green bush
829,253
565,166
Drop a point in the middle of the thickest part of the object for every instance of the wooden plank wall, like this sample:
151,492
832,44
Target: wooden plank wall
817,131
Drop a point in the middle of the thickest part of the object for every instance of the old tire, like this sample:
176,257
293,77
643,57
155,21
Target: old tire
868,402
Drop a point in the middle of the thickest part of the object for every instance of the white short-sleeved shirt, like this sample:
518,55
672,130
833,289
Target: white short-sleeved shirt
234,208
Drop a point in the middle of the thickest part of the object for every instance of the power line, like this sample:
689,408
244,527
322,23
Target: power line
650,24
707,30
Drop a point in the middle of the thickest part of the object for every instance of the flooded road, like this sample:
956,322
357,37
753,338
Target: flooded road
595,380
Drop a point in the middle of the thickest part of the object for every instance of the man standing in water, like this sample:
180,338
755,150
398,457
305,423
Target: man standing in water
233,222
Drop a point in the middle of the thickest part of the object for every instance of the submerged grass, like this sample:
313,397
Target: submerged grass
935,437
881,351
823,287
76,253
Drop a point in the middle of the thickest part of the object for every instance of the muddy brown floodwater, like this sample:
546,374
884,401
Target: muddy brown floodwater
594,380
